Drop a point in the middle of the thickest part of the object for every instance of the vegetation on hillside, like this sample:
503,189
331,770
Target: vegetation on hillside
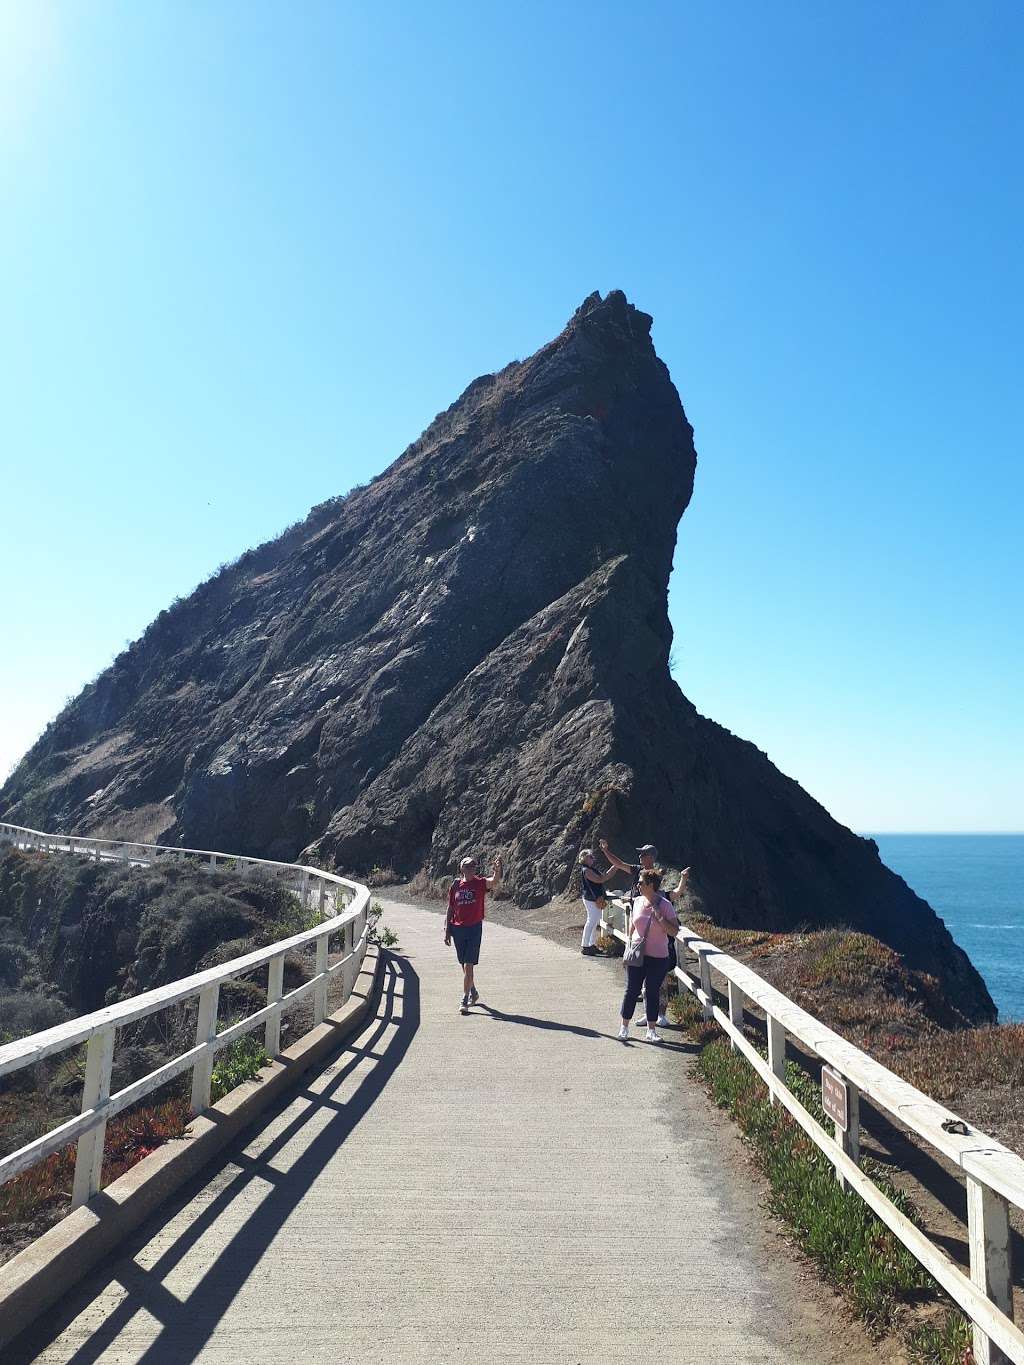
865,991
76,935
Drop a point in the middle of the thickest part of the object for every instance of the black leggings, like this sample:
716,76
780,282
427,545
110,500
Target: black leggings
650,974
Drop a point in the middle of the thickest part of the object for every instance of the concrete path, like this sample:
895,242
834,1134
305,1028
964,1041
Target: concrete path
512,1186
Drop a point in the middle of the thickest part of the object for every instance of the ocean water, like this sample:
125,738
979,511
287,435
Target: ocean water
975,882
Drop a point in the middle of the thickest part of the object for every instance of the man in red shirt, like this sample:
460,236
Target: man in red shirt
465,922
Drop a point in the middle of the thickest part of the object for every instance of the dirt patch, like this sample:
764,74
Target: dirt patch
144,824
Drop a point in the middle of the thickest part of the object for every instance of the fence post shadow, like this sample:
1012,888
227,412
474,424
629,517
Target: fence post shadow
187,1325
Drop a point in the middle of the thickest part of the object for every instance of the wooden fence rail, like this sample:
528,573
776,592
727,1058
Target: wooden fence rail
993,1174
343,910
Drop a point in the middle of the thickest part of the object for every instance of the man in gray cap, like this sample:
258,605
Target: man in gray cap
648,855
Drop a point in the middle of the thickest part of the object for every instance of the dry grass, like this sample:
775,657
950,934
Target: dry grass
973,1058
864,990
382,876
423,886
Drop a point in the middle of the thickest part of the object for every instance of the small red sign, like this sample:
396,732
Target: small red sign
833,1097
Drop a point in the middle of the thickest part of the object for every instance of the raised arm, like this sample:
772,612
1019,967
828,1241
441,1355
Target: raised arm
680,886
592,874
492,881
616,863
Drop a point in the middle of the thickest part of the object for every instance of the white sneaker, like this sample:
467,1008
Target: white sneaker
623,1031
663,1021
651,1037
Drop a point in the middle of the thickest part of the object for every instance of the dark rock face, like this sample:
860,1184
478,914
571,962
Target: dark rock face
472,652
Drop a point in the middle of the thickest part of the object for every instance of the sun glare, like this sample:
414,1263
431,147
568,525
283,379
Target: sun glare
28,52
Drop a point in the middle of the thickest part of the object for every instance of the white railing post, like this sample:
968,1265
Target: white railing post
206,1031
776,1050
736,1015
275,989
350,970
89,1158
304,889
364,935
705,982
988,1234
320,989
322,901
850,1140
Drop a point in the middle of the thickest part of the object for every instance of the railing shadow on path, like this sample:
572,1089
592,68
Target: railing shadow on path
187,1324
558,1026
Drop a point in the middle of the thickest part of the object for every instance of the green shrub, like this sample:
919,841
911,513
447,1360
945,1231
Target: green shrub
15,962
240,1061
377,932
291,917
686,1010
951,1343
22,1013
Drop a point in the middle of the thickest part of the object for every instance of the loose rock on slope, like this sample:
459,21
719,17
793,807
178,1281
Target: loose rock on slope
472,651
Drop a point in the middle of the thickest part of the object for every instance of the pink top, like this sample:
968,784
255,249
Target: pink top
656,943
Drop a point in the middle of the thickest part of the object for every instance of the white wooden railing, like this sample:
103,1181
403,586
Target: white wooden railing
994,1175
343,909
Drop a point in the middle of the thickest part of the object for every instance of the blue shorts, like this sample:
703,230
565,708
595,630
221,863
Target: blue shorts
467,942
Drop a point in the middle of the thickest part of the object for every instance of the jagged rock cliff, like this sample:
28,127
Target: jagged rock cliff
472,651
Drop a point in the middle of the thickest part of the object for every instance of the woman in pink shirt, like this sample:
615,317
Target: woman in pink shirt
655,921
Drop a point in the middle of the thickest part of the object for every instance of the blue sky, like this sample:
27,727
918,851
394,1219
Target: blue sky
247,252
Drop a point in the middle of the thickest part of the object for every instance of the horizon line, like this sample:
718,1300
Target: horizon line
949,833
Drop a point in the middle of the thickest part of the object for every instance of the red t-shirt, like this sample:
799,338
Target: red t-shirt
466,901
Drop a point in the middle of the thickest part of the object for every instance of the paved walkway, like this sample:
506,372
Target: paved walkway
512,1186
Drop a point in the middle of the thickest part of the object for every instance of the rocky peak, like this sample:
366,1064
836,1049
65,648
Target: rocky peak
471,652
